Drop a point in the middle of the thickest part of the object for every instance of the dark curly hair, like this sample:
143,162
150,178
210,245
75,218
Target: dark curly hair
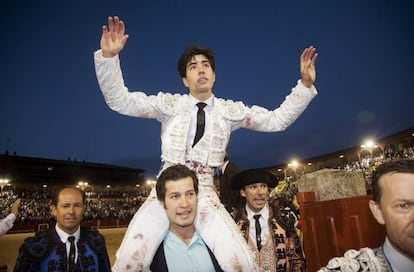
190,52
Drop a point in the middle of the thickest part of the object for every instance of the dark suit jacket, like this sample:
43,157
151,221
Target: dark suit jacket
45,252
229,198
159,264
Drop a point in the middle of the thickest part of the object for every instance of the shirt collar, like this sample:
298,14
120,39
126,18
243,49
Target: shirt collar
194,101
64,236
195,240
264,212
398,261
223,168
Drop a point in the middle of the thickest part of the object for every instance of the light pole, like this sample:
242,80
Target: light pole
82,185
4,182
369,145
294,164
151,183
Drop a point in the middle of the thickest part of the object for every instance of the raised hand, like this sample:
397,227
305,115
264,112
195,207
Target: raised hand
15,207
307,66
113,37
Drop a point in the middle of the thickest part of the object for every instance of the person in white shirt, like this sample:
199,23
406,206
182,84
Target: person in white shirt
182,117
7,223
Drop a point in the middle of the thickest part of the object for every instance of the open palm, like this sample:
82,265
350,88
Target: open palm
113,37
307,66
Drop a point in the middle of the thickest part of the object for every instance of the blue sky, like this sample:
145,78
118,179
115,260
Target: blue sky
51,106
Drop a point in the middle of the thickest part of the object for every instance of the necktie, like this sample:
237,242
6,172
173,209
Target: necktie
258,231
201,118
71,259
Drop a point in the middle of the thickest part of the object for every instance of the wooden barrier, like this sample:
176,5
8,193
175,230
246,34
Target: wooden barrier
332,227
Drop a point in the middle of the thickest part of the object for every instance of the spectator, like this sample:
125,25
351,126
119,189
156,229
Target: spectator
289,204
7,222
392,206
66,247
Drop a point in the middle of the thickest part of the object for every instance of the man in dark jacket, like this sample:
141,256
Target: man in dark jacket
67,246
228,197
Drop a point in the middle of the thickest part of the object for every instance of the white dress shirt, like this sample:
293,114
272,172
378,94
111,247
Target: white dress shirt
263,220
7,223
64,238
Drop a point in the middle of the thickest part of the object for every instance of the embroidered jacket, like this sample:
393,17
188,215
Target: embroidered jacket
366,259
283,252
174,113
45,252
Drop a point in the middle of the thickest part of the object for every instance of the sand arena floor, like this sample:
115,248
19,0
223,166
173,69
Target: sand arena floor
10,243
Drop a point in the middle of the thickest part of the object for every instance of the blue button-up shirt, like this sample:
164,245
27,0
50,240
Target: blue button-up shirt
187,258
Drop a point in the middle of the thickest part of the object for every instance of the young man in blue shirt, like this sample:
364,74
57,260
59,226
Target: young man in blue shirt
182,249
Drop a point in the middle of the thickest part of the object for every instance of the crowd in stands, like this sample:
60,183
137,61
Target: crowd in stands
368,164
35,206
